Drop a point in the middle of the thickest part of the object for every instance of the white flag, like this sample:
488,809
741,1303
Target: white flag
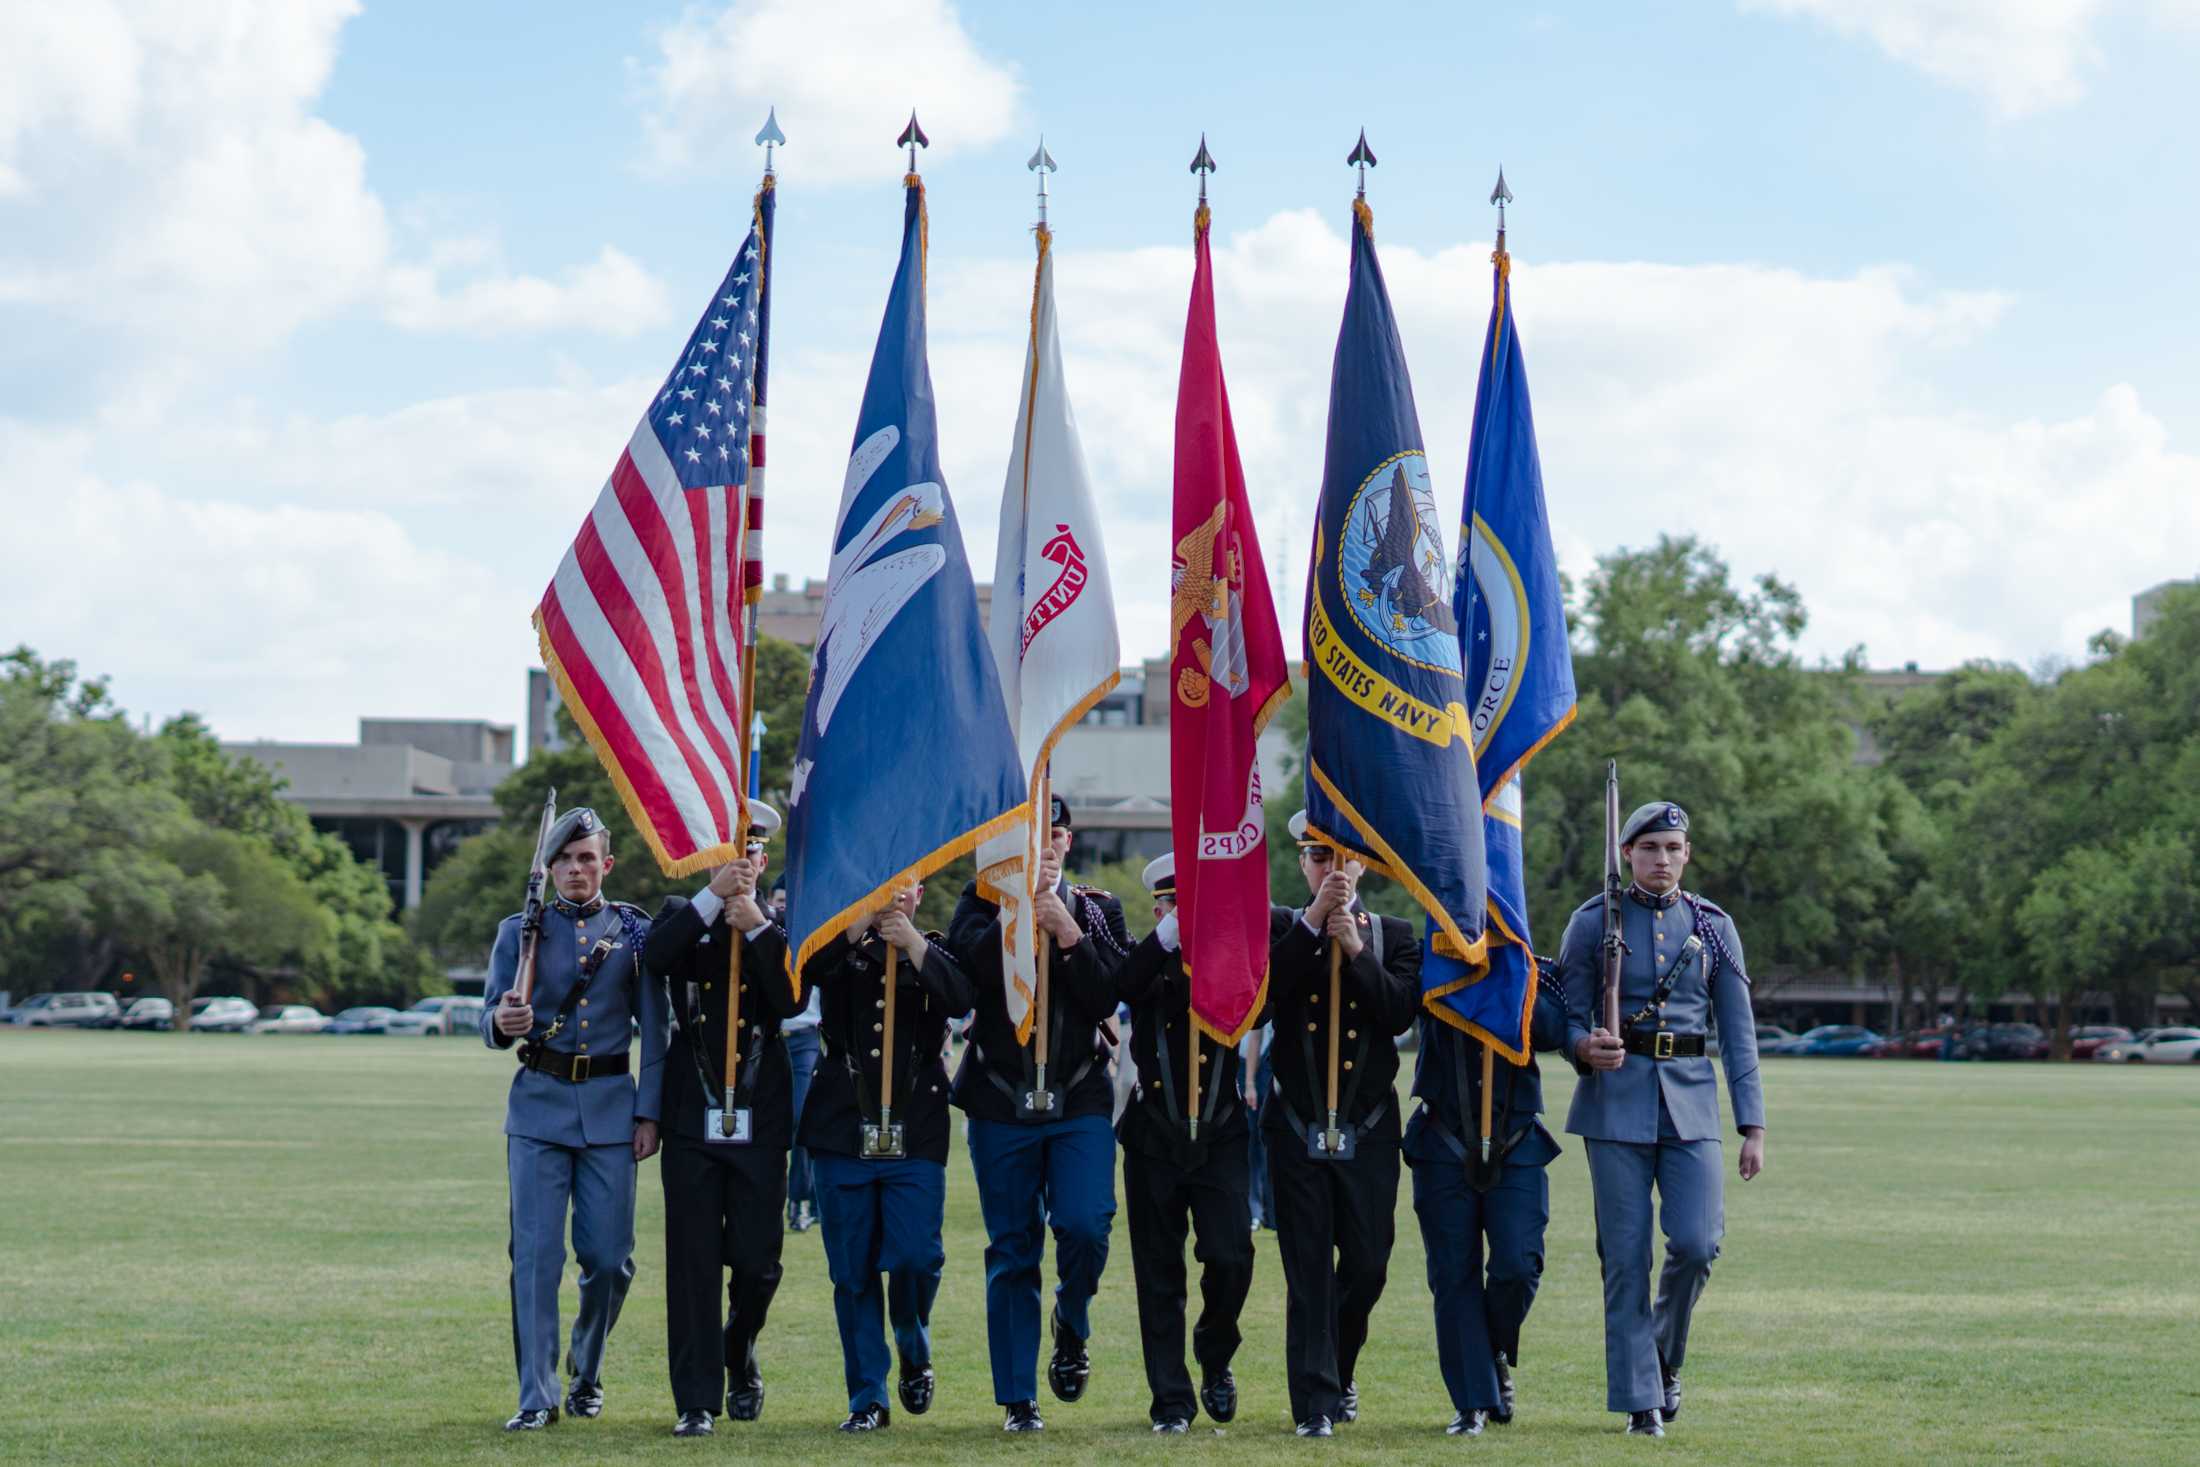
1052,622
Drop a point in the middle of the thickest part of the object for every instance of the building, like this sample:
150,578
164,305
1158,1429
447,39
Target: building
402,797
2147,605
794,615
1878,688
543,703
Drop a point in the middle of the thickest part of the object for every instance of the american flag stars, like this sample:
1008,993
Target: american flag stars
719,354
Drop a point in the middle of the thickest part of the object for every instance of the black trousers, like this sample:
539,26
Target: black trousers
1162,1197
723,1207
1335,1224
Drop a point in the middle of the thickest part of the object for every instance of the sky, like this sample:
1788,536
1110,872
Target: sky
321,323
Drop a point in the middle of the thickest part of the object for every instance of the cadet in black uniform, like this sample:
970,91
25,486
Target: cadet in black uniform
1336,1195
880,1154
1463,1203
723,1193
1171,1175
1049,1164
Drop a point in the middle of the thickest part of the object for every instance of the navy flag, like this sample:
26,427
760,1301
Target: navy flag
902,670
1520,672
1389,753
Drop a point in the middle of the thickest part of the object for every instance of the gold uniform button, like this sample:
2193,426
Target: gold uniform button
1351,1033
880,1004
584,1003
874,1054
1310,1028
1348,1064
584,1049
878,1028
584,1023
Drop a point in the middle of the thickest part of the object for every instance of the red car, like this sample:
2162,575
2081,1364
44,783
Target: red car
2084,1041
1914,1044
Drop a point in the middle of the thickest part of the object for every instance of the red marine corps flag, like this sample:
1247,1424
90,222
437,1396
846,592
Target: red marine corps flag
1226,675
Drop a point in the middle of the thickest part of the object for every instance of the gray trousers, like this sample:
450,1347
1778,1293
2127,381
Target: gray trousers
1692,1214
597,1182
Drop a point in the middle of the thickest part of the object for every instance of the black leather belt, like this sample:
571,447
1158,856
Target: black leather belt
574,1069
1664,1044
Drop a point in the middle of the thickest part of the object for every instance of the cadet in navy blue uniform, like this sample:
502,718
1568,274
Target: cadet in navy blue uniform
1040,1170
576,1123
1172,1177
1465,1205
723,1193
1335,1215
1648,1104
880,1157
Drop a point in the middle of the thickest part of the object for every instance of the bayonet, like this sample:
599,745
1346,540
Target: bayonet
530,920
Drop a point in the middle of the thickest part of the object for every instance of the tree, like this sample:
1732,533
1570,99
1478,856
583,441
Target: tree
202,896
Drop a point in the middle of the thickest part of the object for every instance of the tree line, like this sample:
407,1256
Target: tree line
2018,833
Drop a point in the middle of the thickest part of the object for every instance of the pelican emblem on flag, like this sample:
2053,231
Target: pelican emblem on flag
868,584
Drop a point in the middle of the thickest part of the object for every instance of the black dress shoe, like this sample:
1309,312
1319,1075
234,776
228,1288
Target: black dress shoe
1171,1426
531,1420
1218,1394
1467,1423
1644,1423
1071,1366
1503,1415
693,1423
745,1402
584,1400
1315,1426
915,1388
1348,1404
1672,1380
1023,1416
870,1418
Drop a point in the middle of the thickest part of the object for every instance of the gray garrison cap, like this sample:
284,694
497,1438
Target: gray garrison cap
1655,816
575,824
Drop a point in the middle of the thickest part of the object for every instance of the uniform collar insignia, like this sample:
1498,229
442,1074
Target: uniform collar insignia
576,909
1652,900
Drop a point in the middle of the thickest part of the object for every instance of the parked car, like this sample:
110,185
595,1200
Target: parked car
2167,1046
1832,1041
2005,1042
150,1012
289,1018
366,1019
434,1016
2083,1042
1771,1037
222,1015
20,1015
69,1011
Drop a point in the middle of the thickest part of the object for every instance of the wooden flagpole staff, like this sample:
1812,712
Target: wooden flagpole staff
884,1139
1334,1142
1040,1100
1489,1070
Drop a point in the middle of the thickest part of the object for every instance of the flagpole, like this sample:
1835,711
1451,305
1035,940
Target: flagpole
1042,163
1500,196
769,136
1203,163
886,1045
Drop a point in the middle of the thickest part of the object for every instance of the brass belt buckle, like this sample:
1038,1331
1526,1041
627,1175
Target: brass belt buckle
580,1069
1663,1048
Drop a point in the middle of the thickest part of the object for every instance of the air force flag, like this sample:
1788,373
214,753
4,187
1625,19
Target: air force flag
902,670
1520,673
1390,757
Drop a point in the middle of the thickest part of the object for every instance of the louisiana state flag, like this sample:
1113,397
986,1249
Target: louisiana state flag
1389,748
1520,673
906,758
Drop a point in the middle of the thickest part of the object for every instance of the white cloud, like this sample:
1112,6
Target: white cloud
162,168
2023,56
863,65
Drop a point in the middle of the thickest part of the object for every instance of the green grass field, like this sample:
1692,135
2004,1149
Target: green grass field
283,1249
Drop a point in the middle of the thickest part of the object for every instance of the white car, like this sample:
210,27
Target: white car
446,1013
70,1011
222,1015
289,1018
2165,1046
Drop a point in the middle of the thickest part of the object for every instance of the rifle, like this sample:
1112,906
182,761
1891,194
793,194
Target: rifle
1615,946
530,921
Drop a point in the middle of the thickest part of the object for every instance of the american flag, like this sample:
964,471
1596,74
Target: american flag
641,626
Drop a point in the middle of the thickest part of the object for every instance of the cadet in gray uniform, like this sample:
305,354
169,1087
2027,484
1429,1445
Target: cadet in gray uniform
576,1123
1648,1104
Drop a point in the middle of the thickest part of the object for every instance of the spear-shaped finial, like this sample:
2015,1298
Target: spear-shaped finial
912,137
1501,196
770,136
1203,163
1042,163
1364,157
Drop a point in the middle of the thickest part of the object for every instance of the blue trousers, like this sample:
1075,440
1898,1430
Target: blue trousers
1478,1316
597,1183
1638,1336
881,1217
1059,1175
1262,1198
802,1048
